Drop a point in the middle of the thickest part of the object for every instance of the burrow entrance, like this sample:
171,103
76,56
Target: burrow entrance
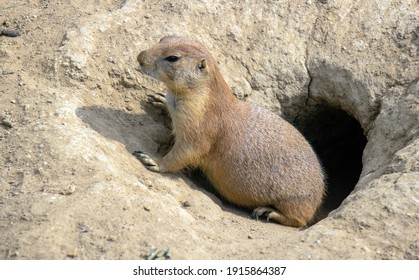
339,142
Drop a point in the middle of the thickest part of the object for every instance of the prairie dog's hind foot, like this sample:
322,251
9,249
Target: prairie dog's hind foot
147,161
158,100
275,215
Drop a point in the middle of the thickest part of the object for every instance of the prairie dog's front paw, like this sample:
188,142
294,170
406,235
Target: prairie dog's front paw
158,100
148,162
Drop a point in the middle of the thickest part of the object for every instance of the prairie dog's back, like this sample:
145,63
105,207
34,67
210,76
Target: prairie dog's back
268,161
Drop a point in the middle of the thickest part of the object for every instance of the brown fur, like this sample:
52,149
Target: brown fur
253,157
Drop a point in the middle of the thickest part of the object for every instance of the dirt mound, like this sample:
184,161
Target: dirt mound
73,108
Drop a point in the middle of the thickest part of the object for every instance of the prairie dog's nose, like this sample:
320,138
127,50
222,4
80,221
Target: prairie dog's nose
141,58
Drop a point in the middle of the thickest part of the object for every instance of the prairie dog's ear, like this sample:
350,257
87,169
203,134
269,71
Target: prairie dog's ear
202,65
170,38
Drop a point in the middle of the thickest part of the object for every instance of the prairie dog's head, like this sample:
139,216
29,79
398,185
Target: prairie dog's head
180,63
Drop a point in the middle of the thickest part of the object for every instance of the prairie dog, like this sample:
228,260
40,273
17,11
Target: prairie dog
253,157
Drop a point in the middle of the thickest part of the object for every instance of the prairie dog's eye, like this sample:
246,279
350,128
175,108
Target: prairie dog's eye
172,58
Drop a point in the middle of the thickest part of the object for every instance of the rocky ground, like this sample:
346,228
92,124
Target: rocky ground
73,108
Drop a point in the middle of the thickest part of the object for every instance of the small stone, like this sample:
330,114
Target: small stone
129,107
146,208
111,238
318,241
6,123
159,254
83,228
72,253
366,249
14,254
68,190
186,204
126,207
8,72
10,33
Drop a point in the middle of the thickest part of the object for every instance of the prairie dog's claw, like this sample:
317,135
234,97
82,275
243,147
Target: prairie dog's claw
148,162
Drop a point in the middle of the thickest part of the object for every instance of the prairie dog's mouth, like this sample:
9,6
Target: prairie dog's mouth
143,70
152,73
139,69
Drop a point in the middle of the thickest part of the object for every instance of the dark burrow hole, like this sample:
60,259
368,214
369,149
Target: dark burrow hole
339,142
